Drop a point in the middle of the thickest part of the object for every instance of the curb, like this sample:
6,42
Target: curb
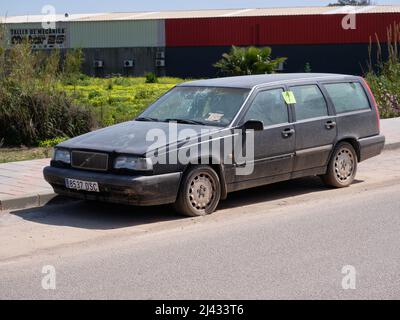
392,146
26,201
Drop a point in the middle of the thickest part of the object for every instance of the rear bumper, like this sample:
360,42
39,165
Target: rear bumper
371,147
134,190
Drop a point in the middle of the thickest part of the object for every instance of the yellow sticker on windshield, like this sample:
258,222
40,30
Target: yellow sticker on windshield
289,97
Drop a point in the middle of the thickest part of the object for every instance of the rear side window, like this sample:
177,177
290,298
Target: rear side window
269,107
310,103
347,97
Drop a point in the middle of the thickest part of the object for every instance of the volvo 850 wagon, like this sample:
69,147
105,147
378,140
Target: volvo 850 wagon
207,138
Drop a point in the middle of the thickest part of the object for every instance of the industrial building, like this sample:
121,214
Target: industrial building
188,43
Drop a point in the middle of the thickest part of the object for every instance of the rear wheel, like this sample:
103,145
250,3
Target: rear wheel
342,166
199,193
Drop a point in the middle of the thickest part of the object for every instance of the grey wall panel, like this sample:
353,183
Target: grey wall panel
113,59
117,34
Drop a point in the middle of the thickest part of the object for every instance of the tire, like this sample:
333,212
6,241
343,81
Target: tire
342,166
199,193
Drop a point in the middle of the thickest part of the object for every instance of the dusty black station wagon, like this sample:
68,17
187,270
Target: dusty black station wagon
300,125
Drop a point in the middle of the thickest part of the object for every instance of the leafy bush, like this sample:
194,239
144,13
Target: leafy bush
72,65
385,82
93,94
151,77
247,61
386,89
27,119
110,85
32,106
51,142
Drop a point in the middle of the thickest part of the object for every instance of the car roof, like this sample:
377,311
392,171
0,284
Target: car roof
249,82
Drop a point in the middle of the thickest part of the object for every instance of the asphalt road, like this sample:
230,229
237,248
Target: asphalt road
284,241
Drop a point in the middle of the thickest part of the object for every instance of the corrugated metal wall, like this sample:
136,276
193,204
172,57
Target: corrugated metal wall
278,30
197,62
113,61
117,34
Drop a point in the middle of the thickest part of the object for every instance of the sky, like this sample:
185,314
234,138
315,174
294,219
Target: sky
22,7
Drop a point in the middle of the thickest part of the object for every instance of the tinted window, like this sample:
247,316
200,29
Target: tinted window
347,96
310,103
268,107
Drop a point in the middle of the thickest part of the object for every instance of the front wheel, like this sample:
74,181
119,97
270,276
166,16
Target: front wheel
199,193
342,167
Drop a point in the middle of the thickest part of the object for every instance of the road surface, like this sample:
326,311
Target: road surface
285,241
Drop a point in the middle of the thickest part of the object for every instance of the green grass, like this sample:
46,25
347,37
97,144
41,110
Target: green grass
112,100
118,99
22,154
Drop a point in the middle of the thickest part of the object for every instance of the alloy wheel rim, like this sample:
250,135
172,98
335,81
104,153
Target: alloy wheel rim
344,165
201,191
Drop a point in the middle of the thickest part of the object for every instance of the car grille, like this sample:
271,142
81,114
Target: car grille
89,160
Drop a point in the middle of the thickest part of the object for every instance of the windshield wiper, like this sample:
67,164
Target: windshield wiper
185,121
147,119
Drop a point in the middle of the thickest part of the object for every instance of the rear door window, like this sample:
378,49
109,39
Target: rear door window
269,107
347,97
310,102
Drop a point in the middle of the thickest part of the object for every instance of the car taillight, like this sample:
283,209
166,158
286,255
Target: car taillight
375,104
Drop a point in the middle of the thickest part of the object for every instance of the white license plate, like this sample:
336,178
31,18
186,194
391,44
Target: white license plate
82,185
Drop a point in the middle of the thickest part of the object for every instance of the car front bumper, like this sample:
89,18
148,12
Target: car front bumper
123,189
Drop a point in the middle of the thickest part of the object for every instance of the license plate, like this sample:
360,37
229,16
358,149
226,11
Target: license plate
82,185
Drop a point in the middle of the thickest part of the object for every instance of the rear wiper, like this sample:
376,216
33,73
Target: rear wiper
185,121
147,119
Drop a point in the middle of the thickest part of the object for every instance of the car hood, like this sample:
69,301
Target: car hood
131,137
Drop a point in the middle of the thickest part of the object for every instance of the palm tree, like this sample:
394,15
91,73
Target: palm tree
247,61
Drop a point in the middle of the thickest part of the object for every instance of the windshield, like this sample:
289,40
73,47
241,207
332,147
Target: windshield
197,105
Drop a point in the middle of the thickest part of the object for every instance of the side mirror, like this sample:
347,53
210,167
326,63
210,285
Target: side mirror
255,125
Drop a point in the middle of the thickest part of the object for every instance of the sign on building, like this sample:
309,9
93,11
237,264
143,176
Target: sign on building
40,38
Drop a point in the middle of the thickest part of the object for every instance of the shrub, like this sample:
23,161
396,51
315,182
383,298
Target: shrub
247,61
33,107
93,94
72,66
151,77
307,68
51,142
385,82
27,119
110,85
386,90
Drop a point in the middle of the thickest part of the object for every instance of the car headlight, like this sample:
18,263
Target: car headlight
133,163
62,156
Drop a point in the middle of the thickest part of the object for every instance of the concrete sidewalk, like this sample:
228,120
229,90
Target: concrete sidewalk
22,184
390,128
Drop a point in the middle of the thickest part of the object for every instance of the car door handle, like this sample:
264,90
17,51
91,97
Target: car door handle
330,125
288,132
